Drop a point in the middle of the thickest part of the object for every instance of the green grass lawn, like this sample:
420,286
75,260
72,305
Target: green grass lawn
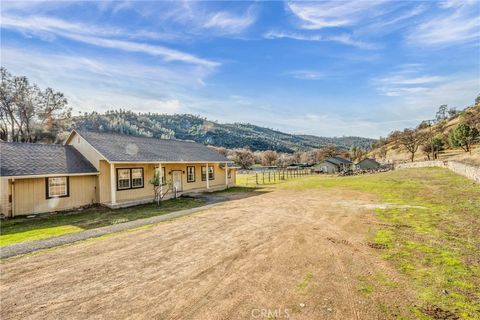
45,226
437,247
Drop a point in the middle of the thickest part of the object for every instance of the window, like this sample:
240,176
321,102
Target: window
57,187
123,179
163,174
137,178
210,173
131,178
190,174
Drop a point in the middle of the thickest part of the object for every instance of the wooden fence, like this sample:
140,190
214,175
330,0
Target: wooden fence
255,178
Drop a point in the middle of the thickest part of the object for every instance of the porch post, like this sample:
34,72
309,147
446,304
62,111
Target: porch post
226,174
160,174
207,177
113,189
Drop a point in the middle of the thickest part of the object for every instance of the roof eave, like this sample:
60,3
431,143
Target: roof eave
51,175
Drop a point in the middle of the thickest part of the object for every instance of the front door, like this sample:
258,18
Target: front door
177,180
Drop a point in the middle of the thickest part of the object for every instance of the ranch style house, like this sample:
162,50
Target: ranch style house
101,168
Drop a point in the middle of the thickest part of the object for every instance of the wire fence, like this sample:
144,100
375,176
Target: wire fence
256,178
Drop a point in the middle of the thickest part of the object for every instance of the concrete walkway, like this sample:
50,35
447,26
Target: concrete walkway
31,246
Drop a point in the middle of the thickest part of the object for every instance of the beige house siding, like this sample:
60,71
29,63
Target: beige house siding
85,149
5,205
148,171
30,195
104,182
137,193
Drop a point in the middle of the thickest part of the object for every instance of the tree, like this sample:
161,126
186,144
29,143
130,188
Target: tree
452,112
463,136
160,187
269,157
433,147
472,117
244,158
328,151
410,140
442,112
357,153
383,152
284,160
223,151
28,114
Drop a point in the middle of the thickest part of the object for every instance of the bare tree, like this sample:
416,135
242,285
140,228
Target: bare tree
223,151
244,158
411,140
269,157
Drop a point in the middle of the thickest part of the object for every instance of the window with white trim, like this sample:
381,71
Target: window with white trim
137,178
57,187
123,179
211,175
190,174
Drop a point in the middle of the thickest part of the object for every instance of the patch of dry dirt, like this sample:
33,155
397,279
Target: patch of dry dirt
277,253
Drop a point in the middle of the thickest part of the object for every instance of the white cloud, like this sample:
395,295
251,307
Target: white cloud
98,84
416,92
343,38
228,23
459,22
306,74
318,15
89,35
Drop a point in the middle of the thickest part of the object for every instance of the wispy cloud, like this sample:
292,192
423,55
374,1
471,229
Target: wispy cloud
97,36
98,84
422,91
306,74
229,23
406,81
318,15
458,22
342,38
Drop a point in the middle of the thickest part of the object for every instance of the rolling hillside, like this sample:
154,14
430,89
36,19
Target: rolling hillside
192,127
395,153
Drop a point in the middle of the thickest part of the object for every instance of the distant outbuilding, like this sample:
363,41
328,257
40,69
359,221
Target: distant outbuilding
333,165
368,164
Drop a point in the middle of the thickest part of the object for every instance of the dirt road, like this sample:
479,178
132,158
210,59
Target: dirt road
279,254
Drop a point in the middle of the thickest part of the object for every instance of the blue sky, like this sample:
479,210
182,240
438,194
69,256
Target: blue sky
327,68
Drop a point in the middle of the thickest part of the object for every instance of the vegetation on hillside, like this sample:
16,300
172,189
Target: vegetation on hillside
451,129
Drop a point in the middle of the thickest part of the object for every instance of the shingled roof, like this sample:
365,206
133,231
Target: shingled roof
31,159
338,161
125,148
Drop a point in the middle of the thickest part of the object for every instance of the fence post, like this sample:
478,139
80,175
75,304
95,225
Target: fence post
256,178
268,176
263,177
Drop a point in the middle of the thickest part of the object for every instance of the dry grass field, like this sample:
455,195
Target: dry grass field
396,245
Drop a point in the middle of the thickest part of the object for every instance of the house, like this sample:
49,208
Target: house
333,165
368,164
101,168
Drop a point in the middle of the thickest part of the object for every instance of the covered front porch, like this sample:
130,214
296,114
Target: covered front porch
129,184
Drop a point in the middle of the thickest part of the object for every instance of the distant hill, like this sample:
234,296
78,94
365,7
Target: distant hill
192,127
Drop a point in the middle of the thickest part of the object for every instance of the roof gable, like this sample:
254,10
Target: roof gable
125,148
